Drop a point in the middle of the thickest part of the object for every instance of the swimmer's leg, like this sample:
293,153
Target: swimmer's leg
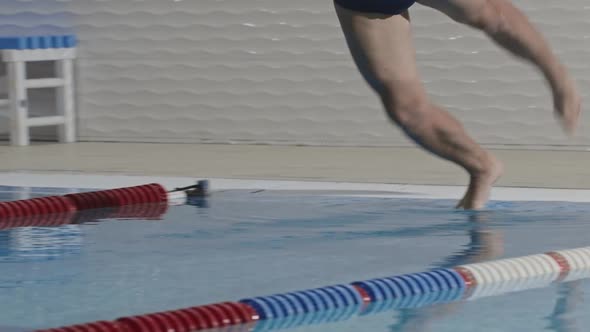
382,48
512,30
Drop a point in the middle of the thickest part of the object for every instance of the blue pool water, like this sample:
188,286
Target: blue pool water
239,244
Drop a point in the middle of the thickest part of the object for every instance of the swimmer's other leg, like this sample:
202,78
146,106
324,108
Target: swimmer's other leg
382,48
511,29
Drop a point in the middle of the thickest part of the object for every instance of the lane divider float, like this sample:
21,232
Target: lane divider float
148,201
342,302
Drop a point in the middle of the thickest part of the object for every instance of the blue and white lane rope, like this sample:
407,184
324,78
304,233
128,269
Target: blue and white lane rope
464,282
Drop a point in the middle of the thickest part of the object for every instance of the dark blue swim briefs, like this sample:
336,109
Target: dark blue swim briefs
391,7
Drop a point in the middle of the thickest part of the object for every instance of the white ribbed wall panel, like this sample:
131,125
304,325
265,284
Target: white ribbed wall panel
278,71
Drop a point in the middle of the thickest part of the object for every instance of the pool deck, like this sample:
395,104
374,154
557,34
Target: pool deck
545,169
289,167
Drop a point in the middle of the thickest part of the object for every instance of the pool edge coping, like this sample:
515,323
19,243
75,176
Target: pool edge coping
350,189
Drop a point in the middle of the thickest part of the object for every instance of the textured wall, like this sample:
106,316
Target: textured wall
277,71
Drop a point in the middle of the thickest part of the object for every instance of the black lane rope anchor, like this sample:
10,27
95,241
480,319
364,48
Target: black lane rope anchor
200,189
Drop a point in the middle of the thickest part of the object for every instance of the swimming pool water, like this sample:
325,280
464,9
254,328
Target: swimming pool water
239,244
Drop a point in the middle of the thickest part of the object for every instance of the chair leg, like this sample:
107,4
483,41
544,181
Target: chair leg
19,131
65,101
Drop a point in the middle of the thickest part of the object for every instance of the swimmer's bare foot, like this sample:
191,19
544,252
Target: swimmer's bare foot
567,102
480,185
